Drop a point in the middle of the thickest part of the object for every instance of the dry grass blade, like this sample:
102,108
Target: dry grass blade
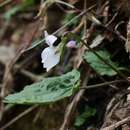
114,126
65,3
61,28
5,3
72,106
18,117
127,44
97,41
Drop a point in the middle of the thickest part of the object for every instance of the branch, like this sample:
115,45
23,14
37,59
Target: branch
115,125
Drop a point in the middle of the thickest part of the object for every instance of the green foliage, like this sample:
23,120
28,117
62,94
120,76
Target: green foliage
89,112
48,90
98,65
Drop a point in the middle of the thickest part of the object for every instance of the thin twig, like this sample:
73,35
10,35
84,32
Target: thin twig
103,84
72,106
27,73
9,67
116,30
115,125
77,29
5,3
107,28
18,117
65,3
73,19
113,18
85,19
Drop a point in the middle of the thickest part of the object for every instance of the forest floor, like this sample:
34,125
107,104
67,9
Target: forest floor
103,100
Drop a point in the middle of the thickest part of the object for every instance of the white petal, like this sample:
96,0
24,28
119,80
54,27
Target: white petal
44,54
49,58
50,39
46,33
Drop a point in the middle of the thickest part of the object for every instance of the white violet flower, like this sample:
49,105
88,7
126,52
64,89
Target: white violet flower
49,56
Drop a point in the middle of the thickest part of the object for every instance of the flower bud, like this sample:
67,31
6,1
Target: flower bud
71,44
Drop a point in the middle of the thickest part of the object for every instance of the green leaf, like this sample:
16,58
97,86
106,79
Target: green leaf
48,90
89,112
98,65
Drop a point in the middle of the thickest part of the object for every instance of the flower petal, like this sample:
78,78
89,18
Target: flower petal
50,39
71,44
49,58
46,33
44,54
